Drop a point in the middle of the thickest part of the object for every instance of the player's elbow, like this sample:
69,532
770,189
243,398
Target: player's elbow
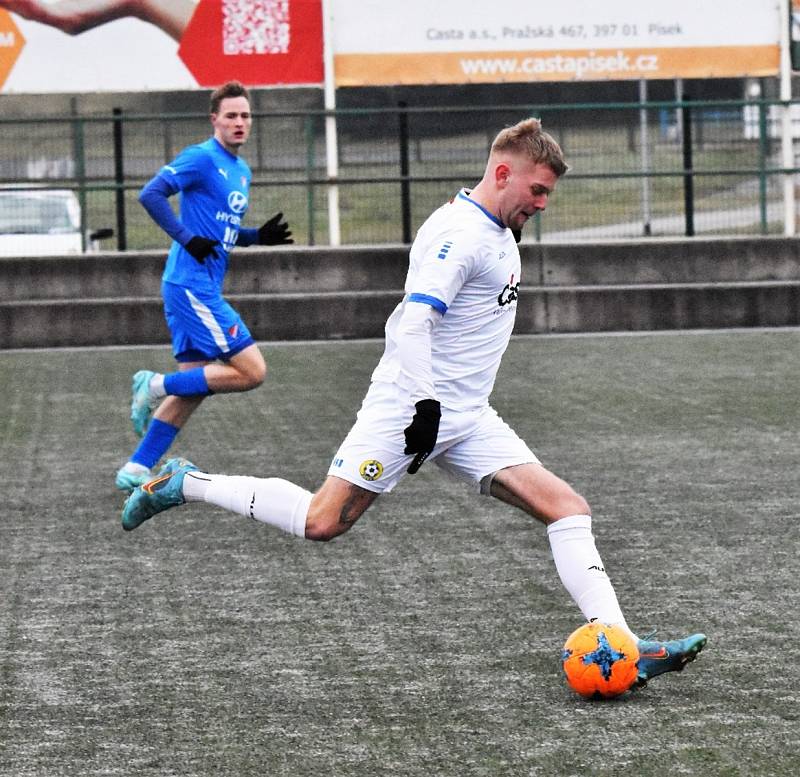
76,25
146,199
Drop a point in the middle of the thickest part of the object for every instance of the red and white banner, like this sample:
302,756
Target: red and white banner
263,43
172,44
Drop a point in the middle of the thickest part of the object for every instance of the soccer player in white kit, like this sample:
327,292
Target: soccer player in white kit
429,396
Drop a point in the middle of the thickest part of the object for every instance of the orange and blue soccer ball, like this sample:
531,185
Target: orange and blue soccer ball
600,660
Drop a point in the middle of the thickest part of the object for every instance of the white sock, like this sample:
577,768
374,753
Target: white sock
156,386
269,500
135,468
582,572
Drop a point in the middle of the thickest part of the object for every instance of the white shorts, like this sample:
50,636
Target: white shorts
470,444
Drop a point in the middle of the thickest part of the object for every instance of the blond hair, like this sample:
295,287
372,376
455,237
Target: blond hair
529,139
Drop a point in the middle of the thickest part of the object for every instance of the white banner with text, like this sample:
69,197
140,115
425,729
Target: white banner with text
452,42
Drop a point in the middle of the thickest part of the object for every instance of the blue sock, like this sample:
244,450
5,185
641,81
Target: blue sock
190,383
155,443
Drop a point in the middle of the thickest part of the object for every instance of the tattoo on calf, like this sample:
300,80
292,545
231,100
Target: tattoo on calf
358,501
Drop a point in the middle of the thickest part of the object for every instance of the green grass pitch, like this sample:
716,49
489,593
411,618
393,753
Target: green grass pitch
426,641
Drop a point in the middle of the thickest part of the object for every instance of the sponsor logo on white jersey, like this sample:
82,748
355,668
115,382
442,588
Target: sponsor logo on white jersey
509,293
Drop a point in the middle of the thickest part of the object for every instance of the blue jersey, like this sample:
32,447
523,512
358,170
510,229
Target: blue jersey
214,188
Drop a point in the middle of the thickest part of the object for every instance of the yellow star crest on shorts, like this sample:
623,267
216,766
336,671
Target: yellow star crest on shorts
371,469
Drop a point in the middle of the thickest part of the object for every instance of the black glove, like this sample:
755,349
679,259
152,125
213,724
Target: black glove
202,247
275,232
422,432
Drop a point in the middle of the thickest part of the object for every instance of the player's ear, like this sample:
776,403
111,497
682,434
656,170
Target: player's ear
502,172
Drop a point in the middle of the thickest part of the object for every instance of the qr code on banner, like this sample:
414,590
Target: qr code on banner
255,26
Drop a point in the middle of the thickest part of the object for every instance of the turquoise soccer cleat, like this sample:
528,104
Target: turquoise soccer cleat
141,404
655,658
155,496
127,481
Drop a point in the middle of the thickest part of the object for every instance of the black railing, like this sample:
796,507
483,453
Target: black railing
711,162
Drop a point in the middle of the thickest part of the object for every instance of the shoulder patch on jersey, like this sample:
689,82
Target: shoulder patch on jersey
446,246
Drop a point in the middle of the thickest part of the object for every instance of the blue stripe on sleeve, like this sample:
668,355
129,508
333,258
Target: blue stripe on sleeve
434,302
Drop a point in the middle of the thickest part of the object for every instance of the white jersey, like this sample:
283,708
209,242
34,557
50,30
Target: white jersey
465,264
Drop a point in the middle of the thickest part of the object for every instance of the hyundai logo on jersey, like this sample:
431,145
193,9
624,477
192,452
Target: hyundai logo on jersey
237,202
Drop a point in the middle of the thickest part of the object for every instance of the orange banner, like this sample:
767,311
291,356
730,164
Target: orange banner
567,65
11,43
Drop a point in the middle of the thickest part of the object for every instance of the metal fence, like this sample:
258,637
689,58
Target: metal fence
637,169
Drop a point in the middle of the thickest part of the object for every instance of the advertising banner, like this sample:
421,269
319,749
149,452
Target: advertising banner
135,45
453,42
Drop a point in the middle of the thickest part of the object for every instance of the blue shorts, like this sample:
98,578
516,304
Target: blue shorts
204,327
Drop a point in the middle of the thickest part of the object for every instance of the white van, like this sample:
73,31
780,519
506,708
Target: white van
44,222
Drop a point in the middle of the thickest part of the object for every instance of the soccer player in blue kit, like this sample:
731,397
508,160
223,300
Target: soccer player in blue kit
429,397
212,345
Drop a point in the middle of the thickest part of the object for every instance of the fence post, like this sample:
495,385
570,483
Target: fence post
688,176
310,166
405,184
166,128
79,154
763,154
537,217
257,129
119,180
644,148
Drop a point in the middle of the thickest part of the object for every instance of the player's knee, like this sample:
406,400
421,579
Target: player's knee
323,526
573,503
567,502
584,506
254,376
